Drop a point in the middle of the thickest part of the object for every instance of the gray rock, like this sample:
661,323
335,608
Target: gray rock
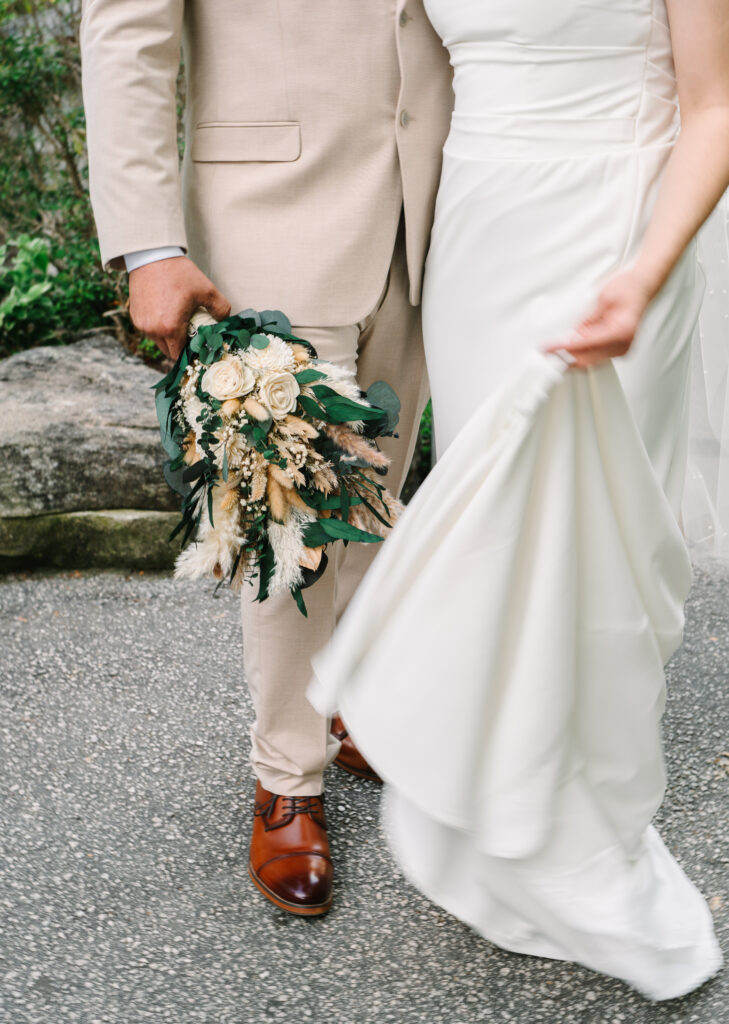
81,482
78,431
107,539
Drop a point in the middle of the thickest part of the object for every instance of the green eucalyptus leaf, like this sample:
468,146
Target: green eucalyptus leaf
260,341
275,320
165,408
252,315
174,478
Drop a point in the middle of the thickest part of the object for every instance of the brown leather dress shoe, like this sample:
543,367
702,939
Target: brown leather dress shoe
349,758
290,861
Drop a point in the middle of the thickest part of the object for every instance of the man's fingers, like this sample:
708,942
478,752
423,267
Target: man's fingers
162,346
216,304
177,339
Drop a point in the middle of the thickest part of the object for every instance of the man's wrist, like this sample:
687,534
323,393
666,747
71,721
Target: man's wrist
135,260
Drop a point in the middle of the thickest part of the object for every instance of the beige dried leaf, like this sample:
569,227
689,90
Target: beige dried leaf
311,558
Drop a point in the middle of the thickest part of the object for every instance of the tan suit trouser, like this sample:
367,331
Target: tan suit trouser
292,743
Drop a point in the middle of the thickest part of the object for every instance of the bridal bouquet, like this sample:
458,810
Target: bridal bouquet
273,451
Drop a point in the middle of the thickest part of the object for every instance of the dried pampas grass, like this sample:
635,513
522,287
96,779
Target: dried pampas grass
287,542
292,426
361,517
325,479
215,547
356,446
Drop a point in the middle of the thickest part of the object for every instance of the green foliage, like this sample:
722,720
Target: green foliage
25,281
423,457
425,440
44,207
147,348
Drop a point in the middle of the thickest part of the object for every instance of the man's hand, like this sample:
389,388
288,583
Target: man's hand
164,295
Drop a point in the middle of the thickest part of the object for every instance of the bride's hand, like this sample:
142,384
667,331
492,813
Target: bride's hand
608,331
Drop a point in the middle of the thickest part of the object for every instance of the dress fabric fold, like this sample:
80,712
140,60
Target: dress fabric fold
502,664
501,667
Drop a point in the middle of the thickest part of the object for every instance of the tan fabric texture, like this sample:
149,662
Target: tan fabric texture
291,742
308,126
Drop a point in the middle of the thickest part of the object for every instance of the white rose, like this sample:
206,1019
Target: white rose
278,393
230,377
276,356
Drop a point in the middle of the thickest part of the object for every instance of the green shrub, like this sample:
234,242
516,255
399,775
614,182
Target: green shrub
43,182
25,281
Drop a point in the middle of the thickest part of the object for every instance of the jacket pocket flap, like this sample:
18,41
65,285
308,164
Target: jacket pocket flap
231,142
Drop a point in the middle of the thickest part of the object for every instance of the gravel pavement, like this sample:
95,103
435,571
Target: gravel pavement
124,819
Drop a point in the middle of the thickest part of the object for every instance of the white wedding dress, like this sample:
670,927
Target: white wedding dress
502,664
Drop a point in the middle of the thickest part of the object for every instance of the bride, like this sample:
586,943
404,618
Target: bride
534,589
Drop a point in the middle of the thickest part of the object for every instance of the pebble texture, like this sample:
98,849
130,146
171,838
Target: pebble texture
124,821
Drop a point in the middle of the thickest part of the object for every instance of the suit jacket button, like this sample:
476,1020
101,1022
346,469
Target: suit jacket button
404,19
405,118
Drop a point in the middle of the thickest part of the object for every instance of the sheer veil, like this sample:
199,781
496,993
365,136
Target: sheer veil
705,509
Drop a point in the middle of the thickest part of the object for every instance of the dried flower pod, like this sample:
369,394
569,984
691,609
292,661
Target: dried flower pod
277,504
230,407
300,353
256,410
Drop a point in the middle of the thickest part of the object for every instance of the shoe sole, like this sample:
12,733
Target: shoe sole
317,910
358,773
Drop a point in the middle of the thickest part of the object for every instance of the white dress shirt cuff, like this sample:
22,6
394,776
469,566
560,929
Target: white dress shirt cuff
134,260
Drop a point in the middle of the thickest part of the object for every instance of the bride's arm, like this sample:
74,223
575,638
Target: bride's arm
696,176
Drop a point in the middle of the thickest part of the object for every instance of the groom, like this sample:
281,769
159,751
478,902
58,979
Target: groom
313,147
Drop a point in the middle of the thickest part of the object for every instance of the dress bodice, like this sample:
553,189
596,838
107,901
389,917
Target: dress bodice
595,70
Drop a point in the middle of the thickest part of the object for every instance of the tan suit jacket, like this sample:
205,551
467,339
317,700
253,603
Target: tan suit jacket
309,123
